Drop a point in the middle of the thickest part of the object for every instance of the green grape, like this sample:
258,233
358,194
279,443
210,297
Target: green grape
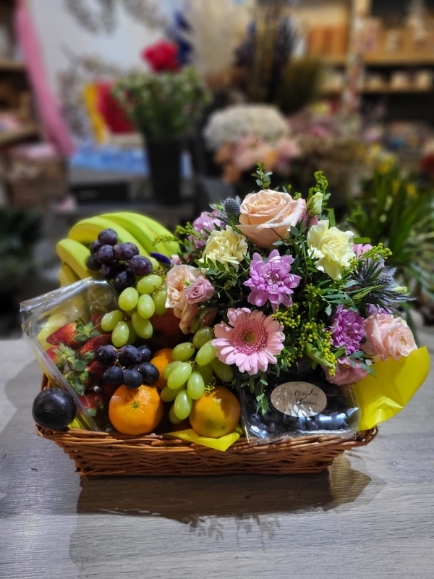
149,283
183,351
172,416
110,320
132,333
222,371
146,306
143,328
128,299
206,354
205,371
179,376
171,366
120,334
195,386
182,405
159,298
169,395
202,336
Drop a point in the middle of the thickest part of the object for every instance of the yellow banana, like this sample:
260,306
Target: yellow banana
159,230
66,275
139,229
74,254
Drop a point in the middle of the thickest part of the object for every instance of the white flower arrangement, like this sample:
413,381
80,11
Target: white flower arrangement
263,122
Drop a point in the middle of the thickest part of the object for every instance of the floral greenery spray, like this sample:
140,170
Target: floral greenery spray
286,291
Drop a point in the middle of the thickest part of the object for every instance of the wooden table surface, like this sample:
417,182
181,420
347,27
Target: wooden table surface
371,515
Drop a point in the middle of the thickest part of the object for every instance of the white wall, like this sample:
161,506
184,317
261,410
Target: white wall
57,28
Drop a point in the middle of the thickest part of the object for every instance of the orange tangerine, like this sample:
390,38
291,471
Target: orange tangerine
216,413
160,361
136,411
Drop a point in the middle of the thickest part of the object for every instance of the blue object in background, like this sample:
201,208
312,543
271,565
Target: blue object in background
116,160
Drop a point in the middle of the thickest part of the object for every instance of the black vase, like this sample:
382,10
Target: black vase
165,170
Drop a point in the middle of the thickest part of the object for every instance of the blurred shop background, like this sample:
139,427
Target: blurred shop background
165,106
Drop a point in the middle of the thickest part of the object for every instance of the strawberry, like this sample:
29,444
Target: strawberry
62,356
87,379
73,334
93,344
96,320
96,369
95,403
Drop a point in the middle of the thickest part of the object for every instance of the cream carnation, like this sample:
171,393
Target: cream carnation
226,246
331,247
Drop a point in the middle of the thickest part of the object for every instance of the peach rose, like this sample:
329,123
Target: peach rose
387,337
177,280
266,216
345,373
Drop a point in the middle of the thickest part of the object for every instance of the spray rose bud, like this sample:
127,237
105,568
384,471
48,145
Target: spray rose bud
314,205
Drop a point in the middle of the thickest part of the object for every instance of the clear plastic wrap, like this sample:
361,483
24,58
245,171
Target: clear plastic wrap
44,314
300,403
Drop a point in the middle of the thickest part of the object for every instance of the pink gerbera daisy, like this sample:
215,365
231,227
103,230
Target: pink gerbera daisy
251,341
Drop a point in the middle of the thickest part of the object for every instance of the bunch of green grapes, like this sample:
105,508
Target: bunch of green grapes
136,306
194,367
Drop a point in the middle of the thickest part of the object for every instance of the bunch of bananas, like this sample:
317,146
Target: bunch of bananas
133,227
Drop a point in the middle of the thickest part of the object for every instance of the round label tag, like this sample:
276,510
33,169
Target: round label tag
299,399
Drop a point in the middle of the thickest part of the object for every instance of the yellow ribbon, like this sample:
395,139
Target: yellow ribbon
222,443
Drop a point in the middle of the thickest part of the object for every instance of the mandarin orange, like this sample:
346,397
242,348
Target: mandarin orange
136,411
216,413
160,361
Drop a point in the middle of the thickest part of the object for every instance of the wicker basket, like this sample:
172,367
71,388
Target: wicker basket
98,454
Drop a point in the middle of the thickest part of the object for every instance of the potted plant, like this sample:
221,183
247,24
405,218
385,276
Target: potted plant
163,105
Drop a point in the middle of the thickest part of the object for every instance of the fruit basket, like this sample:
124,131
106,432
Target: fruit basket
100,454
258,339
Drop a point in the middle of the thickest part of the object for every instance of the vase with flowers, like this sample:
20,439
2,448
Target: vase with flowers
164,105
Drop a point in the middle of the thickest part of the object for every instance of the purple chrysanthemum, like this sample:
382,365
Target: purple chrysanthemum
271,280
347,330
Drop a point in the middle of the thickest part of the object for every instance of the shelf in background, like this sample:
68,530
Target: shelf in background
10,64
399,60
381,90
25,132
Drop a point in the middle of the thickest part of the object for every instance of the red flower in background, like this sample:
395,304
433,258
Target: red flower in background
162,56
111,111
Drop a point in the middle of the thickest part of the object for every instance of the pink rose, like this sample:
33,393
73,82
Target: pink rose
199,291
387,337
266,216
177,279
345,373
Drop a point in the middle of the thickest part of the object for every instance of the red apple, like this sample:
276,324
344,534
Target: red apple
167,333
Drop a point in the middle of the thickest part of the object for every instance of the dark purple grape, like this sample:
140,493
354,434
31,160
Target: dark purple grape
106,355
149,372
92,263
140,265
125,251
129,355
123,280
110,270
106,254
255,419
132,378
108,237
145,353
114,375
94,246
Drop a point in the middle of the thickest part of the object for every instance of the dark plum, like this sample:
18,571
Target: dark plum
108,237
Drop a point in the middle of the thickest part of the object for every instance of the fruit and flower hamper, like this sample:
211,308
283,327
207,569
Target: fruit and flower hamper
261,338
